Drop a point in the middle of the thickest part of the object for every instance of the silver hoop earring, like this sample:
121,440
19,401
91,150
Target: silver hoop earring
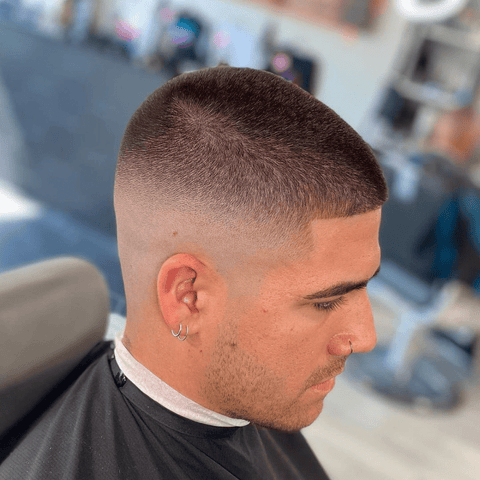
177,335
351,347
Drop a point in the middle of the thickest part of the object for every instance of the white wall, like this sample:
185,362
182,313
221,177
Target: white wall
353,70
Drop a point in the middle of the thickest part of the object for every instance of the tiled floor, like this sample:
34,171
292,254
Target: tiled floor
363,437
30,232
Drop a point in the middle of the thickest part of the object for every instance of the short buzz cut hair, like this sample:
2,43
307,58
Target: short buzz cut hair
246,144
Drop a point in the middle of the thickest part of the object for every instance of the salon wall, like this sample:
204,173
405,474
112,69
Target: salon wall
354,67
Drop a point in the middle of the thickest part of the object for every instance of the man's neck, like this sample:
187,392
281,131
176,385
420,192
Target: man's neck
164,394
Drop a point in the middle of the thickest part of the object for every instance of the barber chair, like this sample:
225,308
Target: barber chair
419,366
54,316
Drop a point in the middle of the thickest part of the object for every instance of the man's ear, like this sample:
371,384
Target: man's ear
176,290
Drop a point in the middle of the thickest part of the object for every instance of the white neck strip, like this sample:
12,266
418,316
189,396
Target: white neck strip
165,395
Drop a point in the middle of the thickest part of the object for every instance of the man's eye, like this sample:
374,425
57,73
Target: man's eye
329,306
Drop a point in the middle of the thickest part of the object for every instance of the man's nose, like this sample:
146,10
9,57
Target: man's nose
365,337
357,331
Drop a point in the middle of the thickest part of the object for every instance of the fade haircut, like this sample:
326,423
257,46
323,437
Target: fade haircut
246,146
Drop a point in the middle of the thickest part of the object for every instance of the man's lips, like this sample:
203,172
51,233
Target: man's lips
323,380
324,387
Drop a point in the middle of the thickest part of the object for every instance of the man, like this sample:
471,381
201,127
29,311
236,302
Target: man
247,220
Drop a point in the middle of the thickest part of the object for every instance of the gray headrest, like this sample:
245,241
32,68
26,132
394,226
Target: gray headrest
51,314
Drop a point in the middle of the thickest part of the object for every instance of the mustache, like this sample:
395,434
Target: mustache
323,374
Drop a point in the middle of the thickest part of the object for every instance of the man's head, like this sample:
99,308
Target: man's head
237,195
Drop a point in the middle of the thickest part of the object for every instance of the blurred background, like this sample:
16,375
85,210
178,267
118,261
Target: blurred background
404,73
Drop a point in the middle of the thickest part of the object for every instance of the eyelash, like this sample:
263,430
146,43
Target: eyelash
330,306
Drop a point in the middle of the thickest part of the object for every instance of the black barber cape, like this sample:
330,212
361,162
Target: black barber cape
104,428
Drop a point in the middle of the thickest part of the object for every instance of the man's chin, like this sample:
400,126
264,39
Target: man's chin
290,424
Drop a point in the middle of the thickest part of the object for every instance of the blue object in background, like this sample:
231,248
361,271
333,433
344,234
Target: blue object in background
446,255
184,32
469,205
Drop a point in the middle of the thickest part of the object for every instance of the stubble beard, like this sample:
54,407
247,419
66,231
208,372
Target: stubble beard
237,385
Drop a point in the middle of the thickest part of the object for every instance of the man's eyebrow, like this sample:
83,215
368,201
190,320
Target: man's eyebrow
340,289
